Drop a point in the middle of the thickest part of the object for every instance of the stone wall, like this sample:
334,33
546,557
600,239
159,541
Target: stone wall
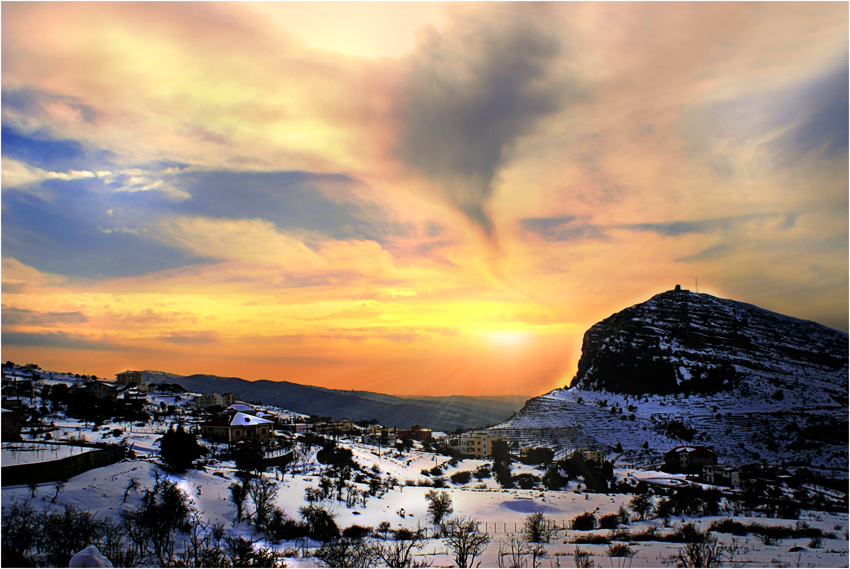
63,468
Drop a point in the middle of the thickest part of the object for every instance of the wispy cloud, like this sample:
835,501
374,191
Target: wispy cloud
564,228
23,317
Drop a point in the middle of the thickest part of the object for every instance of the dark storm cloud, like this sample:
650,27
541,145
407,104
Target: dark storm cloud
470,95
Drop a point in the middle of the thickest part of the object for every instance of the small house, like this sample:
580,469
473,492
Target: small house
103,389
720,475
688,459
237,427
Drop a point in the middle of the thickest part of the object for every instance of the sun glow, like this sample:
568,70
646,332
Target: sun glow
508,338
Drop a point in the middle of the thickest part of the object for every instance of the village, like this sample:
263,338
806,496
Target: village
65,434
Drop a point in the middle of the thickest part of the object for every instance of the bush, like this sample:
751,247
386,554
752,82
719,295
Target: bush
609,521
345,553
525,481
249,456
461,477
356,532
320,523
584,522
482,472
553,480
729,526
179,448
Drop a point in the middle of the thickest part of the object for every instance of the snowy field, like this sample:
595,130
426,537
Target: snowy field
501,512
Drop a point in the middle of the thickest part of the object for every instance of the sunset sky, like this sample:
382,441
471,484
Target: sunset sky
414,198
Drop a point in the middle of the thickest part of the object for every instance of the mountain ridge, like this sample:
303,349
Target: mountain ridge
441,413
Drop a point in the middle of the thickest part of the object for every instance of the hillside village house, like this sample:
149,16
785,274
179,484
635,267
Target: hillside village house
689,459
237,427
212,399
378,435
416,432
479,446
720,475
103,389
129,378
592,455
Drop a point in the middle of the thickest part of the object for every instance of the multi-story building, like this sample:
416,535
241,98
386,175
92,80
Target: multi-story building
479,446
129,378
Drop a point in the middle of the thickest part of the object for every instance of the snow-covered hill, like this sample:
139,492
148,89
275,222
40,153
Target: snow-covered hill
692,368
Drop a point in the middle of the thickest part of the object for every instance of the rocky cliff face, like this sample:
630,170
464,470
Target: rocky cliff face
684,342
692,368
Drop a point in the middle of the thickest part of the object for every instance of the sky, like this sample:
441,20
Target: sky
409,198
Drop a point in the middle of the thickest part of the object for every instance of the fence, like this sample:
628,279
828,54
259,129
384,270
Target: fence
63,468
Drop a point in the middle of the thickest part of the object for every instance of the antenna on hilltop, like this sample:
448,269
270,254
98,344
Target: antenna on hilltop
696,284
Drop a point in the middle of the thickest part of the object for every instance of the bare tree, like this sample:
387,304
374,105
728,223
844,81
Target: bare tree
132,486
262,492
512,552
702,550
399,552
538,529
345,553
439,505
582,558
465,540
238,492
641,505
58,485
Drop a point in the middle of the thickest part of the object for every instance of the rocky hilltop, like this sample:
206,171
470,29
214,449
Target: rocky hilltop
689,368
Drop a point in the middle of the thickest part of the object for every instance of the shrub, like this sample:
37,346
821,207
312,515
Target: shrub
320,523
609,521
584,522
525,481
179,448
461,477
356,532
345,553
729,526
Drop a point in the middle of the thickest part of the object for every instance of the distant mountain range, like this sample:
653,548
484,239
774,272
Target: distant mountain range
438,413
688,368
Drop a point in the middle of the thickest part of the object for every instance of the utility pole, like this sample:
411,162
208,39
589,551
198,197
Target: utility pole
696,284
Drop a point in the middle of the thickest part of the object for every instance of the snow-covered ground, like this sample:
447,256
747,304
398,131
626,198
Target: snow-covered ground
500,511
